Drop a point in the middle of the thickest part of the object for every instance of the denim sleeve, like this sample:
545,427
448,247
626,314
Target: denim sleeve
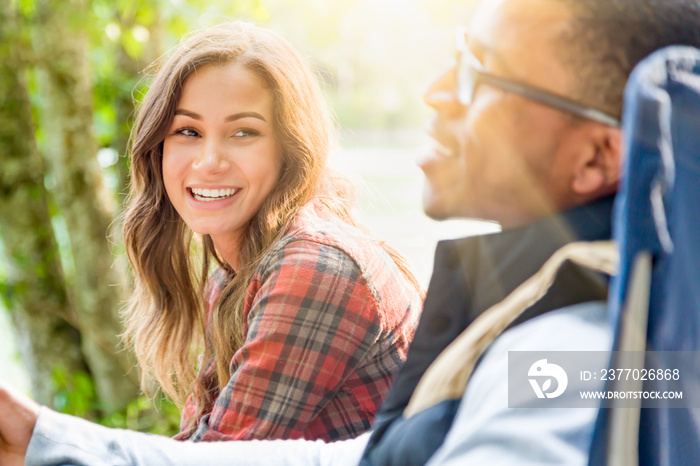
59,439
487,431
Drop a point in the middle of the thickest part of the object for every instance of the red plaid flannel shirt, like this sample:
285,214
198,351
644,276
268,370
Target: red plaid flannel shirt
329,319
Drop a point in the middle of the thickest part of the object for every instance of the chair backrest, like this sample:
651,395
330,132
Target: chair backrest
657,214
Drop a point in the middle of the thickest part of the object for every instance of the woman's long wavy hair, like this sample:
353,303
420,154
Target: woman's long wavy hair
165,315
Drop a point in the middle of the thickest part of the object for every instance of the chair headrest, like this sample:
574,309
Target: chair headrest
658,205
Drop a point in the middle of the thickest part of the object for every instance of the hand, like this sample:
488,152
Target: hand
18,416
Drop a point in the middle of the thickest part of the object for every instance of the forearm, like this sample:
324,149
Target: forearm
59,439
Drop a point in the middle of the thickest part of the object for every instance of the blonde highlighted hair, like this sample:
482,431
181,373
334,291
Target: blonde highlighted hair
165,315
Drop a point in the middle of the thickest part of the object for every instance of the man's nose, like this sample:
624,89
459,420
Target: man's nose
442,94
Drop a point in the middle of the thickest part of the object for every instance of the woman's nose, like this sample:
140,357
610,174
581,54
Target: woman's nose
212,158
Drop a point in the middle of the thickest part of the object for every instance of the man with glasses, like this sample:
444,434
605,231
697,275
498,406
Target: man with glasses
526,133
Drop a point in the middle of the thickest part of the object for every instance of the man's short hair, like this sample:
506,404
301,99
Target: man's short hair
609,37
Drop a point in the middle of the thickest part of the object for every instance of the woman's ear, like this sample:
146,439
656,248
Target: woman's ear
597,170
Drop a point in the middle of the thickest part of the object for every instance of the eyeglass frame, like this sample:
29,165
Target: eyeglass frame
465,95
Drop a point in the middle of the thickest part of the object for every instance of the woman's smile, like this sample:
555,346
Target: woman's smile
209,195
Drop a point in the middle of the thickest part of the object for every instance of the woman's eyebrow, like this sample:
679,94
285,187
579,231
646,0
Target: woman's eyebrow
238,116
235,116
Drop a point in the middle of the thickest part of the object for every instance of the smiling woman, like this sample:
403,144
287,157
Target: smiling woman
306,317
221,157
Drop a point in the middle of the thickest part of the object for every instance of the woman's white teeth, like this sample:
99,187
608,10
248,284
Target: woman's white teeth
202,194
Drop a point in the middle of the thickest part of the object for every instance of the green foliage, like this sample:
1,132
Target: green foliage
146,415
26,7
7,295
75,394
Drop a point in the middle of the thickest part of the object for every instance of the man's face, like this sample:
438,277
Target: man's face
503,157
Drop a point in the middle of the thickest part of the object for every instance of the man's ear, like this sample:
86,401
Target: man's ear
597,169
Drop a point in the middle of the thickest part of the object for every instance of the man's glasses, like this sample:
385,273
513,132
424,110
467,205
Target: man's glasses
470,72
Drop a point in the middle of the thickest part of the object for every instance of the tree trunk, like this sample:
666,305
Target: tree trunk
70,150
34,291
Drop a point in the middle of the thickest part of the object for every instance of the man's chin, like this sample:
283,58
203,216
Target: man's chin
444,204
437,211
447,211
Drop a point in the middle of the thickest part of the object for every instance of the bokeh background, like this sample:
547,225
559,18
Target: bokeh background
70,72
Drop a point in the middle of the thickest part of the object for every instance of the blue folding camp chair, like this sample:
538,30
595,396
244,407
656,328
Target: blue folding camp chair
655,298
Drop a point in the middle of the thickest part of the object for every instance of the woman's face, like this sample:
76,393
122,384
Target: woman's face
221,157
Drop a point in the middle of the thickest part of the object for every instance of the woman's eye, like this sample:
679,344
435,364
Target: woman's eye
246,132
189,132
